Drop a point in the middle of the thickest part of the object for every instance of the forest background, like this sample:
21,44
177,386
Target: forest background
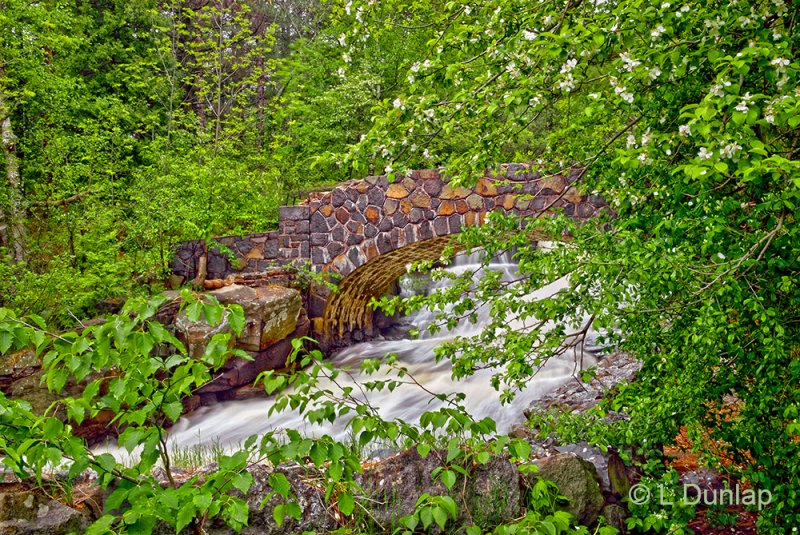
128,126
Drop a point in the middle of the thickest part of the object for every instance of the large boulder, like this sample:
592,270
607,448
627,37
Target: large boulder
577,480
29,513
271,314
394,485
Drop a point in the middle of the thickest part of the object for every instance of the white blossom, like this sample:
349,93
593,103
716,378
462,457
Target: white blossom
397,103
780,63
630,63
729,151
569,65
704,154
656,33
684,130
654,73
627,97
567,84
631,141
646,138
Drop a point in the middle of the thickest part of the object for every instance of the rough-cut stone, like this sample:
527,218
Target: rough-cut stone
433,187
326,210
318,222
397,191
391,206
197,334
373,214
461,206
486,188
555,185
375,196
405,206
294,213
585,210
38,516
262,499
447,208
394,485
577,480
338,198
475,202
420,199
342,215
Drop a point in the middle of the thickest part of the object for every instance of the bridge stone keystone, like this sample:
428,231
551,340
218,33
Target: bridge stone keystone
411,234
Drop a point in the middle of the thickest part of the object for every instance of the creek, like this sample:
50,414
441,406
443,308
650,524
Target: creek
230,423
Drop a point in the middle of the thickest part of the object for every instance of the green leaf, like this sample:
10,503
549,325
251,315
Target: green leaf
173,410
449,479
185,515
440,516
346,504
279,484
236,318
278,514
423,450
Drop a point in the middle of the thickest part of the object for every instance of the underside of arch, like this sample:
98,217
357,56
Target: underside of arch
349,310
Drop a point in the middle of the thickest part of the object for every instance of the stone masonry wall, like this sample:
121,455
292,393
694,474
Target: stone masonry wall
340,231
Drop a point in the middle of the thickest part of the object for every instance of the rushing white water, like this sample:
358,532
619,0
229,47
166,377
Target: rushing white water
230,423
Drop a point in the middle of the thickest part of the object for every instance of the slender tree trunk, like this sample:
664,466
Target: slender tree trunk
15,218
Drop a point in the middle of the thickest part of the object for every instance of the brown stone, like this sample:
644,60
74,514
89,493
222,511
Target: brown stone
390,206
373,214
447,192
572,195
397,191
486,188
522,203
370,249
405,206
462,207
447,208
420,199
363,186
482,217
342,215
326,210
471,219
427,174
509,202
255,254
555,183
409,183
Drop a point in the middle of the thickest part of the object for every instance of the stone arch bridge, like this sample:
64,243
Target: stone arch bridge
364,233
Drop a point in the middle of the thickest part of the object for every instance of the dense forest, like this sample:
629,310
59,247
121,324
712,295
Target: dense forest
130,125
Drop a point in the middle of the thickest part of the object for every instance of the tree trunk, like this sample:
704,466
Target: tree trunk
15,218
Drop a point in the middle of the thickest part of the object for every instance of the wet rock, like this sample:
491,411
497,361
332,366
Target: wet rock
28,513
577,480
395,484
314,517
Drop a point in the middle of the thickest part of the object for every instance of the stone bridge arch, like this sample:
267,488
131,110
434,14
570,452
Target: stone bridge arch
364,232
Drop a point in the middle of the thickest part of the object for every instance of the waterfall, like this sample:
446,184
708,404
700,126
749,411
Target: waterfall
230,423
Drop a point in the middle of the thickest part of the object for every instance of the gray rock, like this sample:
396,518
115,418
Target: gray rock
595,456
395,484
577,480
27,513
